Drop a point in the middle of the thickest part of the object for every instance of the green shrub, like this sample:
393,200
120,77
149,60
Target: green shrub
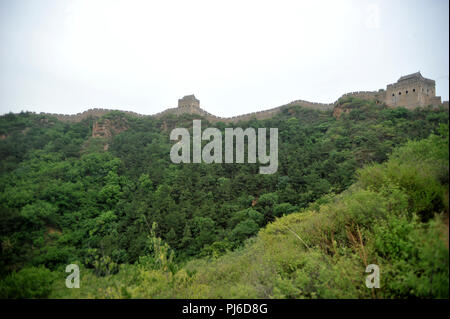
414,257
32,282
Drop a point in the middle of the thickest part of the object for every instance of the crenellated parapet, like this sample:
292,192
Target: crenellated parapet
410,91
379,95
95,113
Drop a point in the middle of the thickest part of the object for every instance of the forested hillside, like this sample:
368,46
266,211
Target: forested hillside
141,226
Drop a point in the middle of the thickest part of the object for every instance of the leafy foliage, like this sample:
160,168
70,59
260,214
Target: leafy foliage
335,205
32,282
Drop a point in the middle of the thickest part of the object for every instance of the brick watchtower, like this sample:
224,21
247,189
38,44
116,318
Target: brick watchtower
411,91
189,101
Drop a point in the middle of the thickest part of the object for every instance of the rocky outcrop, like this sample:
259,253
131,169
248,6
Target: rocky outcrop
105,128
339,110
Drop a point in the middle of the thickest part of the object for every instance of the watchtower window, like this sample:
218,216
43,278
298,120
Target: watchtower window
406,91
414,90
399,93
393,94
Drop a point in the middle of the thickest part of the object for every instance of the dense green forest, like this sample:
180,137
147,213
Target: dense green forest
369,186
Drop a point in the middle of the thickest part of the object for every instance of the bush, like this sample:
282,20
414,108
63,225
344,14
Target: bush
416,169
32,282
414,258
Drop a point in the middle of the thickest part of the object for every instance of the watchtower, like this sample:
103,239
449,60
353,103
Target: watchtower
412,90
189,101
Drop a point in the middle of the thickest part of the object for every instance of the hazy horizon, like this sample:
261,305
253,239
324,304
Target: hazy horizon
236,57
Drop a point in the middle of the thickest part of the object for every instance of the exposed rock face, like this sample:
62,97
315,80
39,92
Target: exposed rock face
105,128
100,130
339,110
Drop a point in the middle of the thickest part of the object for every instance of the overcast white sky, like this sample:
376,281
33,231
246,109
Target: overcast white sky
237,57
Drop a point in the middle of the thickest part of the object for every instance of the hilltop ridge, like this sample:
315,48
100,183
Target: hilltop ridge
417,90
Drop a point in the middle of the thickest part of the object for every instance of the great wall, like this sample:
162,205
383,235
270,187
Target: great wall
99,112
417,92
